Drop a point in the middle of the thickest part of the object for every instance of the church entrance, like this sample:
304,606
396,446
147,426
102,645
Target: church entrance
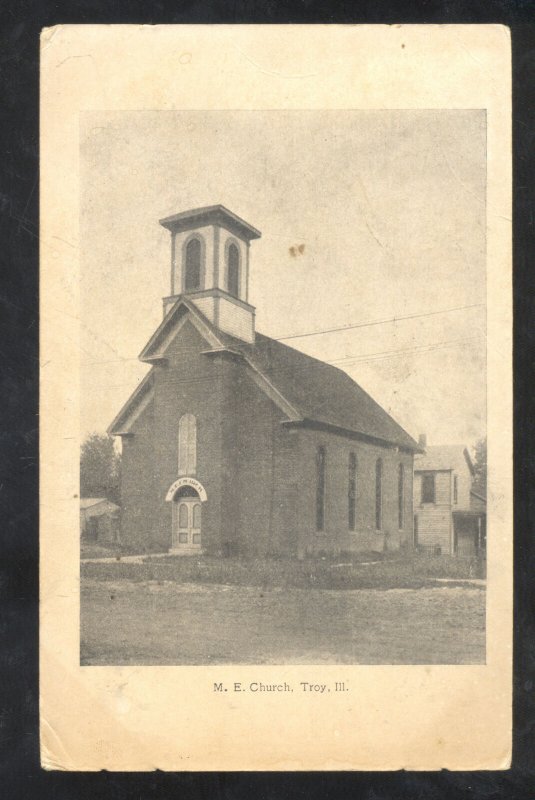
186,533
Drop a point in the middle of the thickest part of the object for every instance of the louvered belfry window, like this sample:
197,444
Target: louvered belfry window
187,445
233,257
193,265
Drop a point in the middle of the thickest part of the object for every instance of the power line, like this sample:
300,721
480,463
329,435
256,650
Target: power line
326,330
365,358
379,322
421,348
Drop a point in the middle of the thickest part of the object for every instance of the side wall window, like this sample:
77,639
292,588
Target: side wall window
455,489
233,270
401,496
352,492
187,445
320,489
378,494
193,271
428,488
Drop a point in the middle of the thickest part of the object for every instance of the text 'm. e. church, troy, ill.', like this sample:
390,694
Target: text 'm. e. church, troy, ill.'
235,443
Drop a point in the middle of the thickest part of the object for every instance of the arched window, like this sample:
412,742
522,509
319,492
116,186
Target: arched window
233,270
320,489
187,445
379,494
401,496
352,492
192,277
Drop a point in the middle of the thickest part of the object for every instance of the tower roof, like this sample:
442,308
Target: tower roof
210,215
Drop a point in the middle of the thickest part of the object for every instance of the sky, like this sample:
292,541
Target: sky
390,208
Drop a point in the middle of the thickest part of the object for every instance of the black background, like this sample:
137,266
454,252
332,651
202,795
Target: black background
21,775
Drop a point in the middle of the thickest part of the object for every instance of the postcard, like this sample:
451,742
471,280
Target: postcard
276,398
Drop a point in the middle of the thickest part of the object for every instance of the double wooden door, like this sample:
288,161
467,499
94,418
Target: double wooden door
186,524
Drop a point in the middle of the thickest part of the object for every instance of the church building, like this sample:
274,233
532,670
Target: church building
235,443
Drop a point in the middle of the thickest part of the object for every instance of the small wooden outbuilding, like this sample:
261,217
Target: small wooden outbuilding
99,520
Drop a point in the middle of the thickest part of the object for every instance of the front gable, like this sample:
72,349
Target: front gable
185,332
138,402
156,348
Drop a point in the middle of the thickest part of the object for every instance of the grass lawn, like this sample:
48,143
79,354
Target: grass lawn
143,620
361,571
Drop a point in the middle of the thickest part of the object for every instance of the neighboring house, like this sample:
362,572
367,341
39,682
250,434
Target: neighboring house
235,443
449,516
99,520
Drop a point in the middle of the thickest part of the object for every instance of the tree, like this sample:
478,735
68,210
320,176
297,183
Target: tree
100,468
480,466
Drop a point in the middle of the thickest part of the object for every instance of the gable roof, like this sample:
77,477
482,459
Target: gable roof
306,389
138,400
443,457
89,502
321,392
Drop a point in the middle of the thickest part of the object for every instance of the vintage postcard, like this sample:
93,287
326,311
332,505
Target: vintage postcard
276,493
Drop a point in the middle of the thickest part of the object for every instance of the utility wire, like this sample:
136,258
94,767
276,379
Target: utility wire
319,332
377,322
356,360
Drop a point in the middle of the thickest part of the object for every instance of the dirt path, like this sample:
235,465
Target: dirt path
167,623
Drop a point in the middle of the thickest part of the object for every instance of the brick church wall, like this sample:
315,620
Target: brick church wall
336,535
259,475
137,485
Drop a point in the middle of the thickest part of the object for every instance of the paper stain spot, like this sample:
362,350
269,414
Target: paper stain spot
297,250
184,58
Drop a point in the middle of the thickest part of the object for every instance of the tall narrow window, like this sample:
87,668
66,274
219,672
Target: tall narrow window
401,496
428,487
193,265
455,490
320,489
233,258
352,492
378,494
187,445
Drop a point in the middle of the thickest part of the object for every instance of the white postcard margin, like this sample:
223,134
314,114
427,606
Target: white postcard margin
143,718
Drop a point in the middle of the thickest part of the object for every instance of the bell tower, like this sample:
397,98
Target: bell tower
210,265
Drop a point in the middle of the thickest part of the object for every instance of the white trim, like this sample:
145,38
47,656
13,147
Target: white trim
186,481
140,409
132,414
203,329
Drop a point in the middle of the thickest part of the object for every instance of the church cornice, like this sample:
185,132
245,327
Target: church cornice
211,215
154,350
133,408
347,433
215,292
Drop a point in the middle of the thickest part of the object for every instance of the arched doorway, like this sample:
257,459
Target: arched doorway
186,531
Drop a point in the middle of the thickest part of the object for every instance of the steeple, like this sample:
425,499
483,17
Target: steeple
210,264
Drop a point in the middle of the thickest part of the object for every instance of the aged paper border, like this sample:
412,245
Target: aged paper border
142,718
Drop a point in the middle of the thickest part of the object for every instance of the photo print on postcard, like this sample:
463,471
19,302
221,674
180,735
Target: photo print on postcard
283,387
